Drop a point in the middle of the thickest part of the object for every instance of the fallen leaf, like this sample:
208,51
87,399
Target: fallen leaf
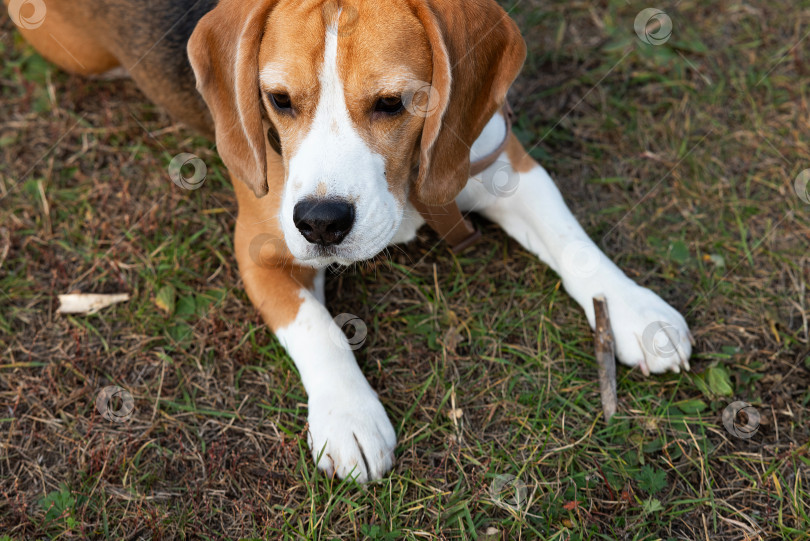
165,299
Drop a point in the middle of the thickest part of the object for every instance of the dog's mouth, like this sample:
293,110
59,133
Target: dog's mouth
360,246
324,256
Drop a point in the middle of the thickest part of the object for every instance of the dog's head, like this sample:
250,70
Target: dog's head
365,102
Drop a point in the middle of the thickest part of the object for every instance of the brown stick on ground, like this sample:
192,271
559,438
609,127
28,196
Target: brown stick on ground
605,356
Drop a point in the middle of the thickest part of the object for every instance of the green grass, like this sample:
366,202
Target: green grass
679,160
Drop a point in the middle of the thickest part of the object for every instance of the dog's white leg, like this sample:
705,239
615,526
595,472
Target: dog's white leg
349,431
648,332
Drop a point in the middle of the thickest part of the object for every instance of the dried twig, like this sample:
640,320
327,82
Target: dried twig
605,356
88,303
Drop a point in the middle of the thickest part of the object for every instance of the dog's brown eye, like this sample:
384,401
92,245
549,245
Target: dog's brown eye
281,101
390,105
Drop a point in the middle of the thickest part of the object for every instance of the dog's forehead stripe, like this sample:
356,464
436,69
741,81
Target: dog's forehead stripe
331,114
330,78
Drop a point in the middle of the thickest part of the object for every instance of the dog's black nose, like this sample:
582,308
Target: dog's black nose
324,222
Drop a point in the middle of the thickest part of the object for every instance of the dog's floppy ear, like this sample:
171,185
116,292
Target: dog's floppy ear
224,53
477,53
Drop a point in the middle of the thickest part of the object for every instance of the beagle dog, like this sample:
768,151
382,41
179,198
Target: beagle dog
342,123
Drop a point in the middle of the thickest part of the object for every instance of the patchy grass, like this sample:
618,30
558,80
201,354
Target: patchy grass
680,158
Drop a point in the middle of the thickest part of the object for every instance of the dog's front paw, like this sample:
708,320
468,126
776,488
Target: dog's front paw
350,434
647,331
